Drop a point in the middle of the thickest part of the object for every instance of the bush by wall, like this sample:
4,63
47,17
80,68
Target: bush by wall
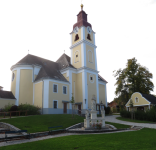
107,110
32,110
149,115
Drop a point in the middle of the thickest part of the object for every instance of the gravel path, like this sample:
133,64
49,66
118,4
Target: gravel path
113,119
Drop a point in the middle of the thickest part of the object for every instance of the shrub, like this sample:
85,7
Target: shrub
13,108
107,110
32,110
7,107
125,113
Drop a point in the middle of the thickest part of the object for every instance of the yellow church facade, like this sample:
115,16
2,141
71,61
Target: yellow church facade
50,85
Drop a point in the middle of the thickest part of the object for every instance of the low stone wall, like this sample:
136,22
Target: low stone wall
8,126
79,125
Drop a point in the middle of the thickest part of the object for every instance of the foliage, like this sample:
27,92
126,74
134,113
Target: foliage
149,115
131,103
7,107
107,109
133,78
125,113
32,110
13,108
72,102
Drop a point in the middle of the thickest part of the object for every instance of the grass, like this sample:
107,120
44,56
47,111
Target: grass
129,120
139,140
40,123
118,126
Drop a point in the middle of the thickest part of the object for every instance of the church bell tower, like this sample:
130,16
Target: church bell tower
83,49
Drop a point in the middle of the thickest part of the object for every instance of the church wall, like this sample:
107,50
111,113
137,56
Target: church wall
102,94
4,102
65,75
73,37
13,83
141,100
26,87
86,34
89,64
76,62
77,87
59,96
38,94
92,90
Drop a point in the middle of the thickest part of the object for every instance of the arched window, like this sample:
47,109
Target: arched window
90,56
76,37
77,57
89,37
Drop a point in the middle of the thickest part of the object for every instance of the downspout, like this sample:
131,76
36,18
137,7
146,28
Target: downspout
42,94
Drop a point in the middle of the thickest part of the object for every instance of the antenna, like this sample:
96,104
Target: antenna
64,51
28,51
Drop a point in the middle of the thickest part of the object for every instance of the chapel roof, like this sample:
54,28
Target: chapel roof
100,78
150,98
6,94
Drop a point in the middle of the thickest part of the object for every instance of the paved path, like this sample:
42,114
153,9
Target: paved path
113,119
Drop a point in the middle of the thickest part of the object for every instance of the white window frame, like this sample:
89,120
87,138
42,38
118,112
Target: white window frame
66,89
91,75
53,87
136,101
75,56
57,104
88,56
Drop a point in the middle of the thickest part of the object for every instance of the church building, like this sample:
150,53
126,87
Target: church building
51,85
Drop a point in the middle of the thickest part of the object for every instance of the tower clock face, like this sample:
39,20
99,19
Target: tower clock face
76,29
89,30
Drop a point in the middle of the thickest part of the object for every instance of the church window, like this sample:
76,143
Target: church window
64,90
13,76
91,77
136,100
55,88
76,37
76,57
55,104
89,37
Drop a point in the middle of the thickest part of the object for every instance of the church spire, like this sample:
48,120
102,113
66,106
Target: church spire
82,19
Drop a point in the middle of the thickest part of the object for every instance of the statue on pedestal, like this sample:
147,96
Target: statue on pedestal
93,103
87,114
102,112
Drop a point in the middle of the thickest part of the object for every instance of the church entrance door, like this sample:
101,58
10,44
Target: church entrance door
65,108
79,109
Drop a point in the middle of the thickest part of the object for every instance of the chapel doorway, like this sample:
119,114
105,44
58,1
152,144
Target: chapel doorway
64,108
140,108
79,109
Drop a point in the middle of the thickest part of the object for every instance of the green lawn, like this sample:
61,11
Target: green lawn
40,123
129,120
135,140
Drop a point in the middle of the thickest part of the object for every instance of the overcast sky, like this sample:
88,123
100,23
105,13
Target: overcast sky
124,29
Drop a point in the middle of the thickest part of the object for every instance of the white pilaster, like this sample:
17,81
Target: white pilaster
83,54
106,95
94,38
17,86
85,89
46,94
95,59
70,87
97,87
82,33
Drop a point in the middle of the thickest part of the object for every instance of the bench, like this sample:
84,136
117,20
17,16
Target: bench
51,129
14,132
